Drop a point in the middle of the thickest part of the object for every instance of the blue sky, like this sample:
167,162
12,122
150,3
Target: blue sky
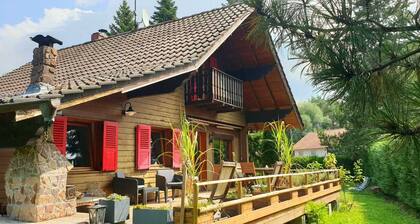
72,21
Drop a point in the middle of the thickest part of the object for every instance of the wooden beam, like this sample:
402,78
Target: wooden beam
254,94
271,92
266,115
250,74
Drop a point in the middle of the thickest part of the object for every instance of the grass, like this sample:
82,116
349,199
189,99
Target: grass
372,209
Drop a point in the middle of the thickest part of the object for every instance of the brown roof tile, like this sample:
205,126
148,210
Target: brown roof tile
312,141
131,55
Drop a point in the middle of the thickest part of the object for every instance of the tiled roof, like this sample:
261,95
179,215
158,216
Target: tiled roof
312,141
309,141
130,55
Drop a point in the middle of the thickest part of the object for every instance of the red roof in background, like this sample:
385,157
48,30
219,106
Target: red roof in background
312,141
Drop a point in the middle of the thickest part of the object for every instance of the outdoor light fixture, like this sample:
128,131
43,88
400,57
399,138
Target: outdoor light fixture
128,111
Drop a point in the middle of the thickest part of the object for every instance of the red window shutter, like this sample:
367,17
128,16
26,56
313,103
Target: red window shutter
143,146
110,146
59,130
176,151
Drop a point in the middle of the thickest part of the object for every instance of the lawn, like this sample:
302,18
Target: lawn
371,209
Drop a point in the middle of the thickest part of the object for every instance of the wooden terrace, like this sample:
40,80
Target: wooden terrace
278,204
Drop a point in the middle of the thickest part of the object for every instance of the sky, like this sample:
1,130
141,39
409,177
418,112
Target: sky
73,21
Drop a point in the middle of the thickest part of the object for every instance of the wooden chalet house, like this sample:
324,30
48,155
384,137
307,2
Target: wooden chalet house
114,100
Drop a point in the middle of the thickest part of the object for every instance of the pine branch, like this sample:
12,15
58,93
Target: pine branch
393,61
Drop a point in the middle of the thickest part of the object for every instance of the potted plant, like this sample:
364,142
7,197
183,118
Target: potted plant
117,208
155,215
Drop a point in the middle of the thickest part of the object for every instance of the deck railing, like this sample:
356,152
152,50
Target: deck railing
296,190
215,88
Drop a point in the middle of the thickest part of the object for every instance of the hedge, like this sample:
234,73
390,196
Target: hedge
396,170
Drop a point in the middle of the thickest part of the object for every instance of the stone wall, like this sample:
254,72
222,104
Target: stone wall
35,182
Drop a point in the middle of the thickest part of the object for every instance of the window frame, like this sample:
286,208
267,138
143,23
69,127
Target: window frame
95,139
166,147
225,138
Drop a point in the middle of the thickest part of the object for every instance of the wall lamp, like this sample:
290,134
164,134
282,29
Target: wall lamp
128,111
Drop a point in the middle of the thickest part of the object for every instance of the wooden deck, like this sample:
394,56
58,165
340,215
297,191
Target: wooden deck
280,205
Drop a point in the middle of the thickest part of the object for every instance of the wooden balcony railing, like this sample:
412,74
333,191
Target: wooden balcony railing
281,204
216,90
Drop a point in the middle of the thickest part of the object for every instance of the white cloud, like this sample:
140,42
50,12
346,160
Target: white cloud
14,39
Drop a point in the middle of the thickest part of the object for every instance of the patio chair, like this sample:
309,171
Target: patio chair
167,179
278,167
127,186
227,171
248,170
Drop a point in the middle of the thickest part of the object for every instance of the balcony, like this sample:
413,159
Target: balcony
214,90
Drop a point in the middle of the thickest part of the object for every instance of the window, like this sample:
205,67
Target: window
87,144
78,149
157,147
222,150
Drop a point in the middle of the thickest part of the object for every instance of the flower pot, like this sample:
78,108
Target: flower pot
116,210
155,216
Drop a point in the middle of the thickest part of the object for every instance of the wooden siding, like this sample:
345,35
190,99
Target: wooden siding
236,118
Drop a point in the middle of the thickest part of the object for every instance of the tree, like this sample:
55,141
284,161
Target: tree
165,11
365,54
124,21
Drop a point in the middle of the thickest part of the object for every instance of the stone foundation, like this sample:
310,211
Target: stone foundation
35,183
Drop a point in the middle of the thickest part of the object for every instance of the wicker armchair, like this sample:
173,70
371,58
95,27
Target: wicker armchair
167,179
128,186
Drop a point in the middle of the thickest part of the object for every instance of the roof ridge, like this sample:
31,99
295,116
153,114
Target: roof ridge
155,25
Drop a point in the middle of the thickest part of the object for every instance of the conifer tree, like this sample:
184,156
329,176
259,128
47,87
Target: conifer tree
124,20
165,11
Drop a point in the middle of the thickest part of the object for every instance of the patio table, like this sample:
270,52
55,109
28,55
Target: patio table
145,190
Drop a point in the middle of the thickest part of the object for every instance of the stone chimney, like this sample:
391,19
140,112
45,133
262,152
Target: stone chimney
101,34
44,63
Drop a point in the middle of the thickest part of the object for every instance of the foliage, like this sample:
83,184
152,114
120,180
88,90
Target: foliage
358,171
282,144
330,162
365,54
116,197
320,114
165,11
124,20
316,212
395,169
304,161
372,209
315,165
346,181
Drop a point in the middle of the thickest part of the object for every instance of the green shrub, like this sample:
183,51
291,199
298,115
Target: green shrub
396,171
116,197
302,162
358,171
330,162
345,162
316,212
314,165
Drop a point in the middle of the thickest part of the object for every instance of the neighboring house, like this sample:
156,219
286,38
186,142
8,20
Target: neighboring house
310,144
203,65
